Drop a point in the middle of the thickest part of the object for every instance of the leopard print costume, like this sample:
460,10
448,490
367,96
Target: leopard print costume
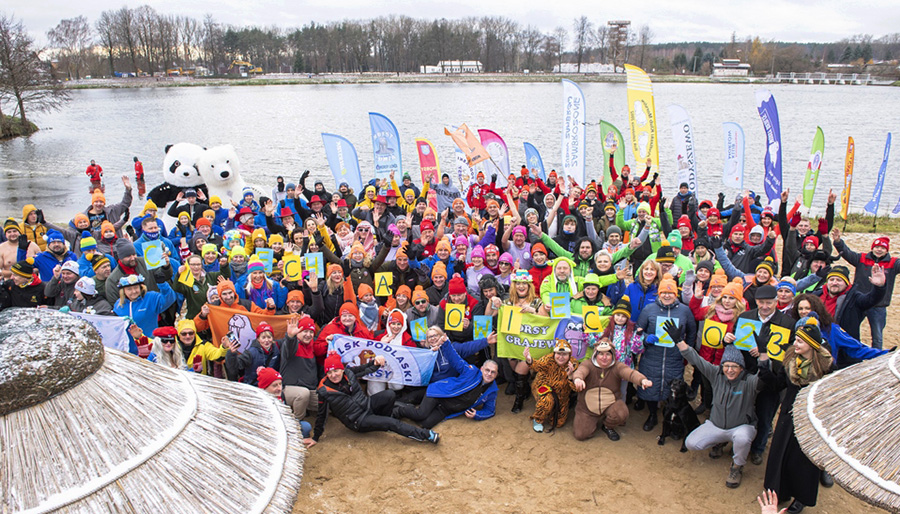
549,373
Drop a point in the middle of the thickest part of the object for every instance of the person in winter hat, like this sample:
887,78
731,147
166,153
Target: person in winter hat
733,416
24,288
263,351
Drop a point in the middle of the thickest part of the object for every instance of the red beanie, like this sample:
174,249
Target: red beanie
457,285
307,323
264,327
737,228
713,212
882,241
813,240
333,361
165,332
265,377
349,307
426,225
684,221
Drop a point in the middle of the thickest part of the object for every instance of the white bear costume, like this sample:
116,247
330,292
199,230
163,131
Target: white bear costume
220,169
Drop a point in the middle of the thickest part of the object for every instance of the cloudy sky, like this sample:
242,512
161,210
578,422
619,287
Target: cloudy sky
671,21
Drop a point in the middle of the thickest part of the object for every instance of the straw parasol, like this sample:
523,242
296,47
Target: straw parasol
847,424
88,429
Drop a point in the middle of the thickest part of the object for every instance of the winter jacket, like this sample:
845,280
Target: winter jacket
845,349
551,283
662,364
30,295
733,401
112,213
34,233
245,364
336,327
346,399
467,377
44,263
96,305
863,264
145,310
639,295
853,305
298,363
444,364
60,293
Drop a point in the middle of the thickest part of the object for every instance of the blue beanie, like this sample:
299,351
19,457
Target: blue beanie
732,354
54,235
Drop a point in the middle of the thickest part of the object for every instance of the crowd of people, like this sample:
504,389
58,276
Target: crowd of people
658,265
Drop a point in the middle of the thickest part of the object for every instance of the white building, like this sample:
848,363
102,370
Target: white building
586,67
730,68
453,67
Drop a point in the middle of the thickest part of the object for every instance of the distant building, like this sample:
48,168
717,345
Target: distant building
586,67
453,67
730,68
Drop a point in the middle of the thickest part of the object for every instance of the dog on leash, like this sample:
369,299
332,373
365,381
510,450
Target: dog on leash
679,418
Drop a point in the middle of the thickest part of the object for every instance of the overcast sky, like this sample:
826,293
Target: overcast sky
670,21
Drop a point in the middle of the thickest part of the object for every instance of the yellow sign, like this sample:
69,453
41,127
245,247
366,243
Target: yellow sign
293,268
383,282
778,341
454,316
713,334
592,321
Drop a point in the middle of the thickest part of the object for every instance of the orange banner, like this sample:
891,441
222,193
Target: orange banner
242,324
469,144
848,179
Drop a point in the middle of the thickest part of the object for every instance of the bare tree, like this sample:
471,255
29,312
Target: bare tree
644,39
126,30
601,41
106,29
24,79
72,40
582,29
532,39
559,39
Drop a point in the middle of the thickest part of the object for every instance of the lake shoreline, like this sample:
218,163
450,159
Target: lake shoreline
392,78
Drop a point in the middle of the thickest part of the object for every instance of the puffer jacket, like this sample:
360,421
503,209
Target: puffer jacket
245,364
35,233
662,364
346,400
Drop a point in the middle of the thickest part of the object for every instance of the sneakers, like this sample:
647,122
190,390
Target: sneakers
537,426
717,451
611,433
734,476
756,459
433,437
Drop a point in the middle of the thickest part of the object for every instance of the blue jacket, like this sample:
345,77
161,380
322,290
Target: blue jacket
662,364
46,261
639,298
86,269
845,350
173,252
136,225
145,310
279,293
443,365
468,377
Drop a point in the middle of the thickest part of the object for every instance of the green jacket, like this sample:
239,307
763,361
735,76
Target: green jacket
582,267
552,285
654,228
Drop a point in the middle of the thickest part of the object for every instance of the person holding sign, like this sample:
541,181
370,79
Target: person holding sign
457,295
552,386
260,289
716,330
560,280
421,308
789,471
733,416
395,334
845,349
523,296
661,364
599,383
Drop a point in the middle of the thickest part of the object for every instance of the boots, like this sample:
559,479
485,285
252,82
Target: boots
651,421
734,476
521,393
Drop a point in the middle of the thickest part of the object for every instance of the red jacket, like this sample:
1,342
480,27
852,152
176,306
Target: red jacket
139,170
320,345
95,172
475,196
538,274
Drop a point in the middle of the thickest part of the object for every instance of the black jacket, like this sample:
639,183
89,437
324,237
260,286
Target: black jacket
346,399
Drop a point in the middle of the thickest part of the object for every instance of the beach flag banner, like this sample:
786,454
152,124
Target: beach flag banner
683,138
316,261
848,178
469,144
404,365
560,305
113,330
482,326
499,161
454,315
293,268
267,256
385,146
768,113
465,175
872,206
243,324
534,162
813,167
642,117
154,253
744,331
383,282
342,160
419,328
613,144
733,174
429,167
780,339
573,132
664,338
713,335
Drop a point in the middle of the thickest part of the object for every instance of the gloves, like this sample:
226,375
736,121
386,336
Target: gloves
823,271
493,177
64,309
795,220
762,338
651,339
823,225
715,242
304,175
23,242
143,348
655,176
40,216
673,331
722,196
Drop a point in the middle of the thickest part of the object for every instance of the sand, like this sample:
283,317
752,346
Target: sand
502,465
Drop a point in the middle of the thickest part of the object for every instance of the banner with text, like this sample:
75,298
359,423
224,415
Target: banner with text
429,167
733,174
517,330
342,160
404,365
534,162
848,178
683,138
496,147
613,144
113,329
768,113
573,132
872,206
385,146
242,324
642,117
813,167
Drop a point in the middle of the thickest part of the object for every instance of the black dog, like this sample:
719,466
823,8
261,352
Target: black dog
679,419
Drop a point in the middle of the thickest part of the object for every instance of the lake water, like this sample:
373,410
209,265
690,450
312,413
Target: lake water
276,131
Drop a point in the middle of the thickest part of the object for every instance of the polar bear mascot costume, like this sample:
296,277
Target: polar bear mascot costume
220,169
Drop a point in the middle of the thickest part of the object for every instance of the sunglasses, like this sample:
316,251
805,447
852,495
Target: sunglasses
420,302
187,333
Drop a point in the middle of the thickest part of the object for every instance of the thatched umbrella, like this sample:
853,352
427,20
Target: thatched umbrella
848,423
88,429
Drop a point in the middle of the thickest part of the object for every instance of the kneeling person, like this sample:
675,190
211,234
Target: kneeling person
599,386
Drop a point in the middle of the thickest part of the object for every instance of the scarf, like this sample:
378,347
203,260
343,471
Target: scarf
368,313
259,293
238,269
724,315
802,368
126,269
831,301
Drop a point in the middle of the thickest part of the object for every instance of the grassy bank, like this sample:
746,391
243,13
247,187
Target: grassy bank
11,127
857,222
